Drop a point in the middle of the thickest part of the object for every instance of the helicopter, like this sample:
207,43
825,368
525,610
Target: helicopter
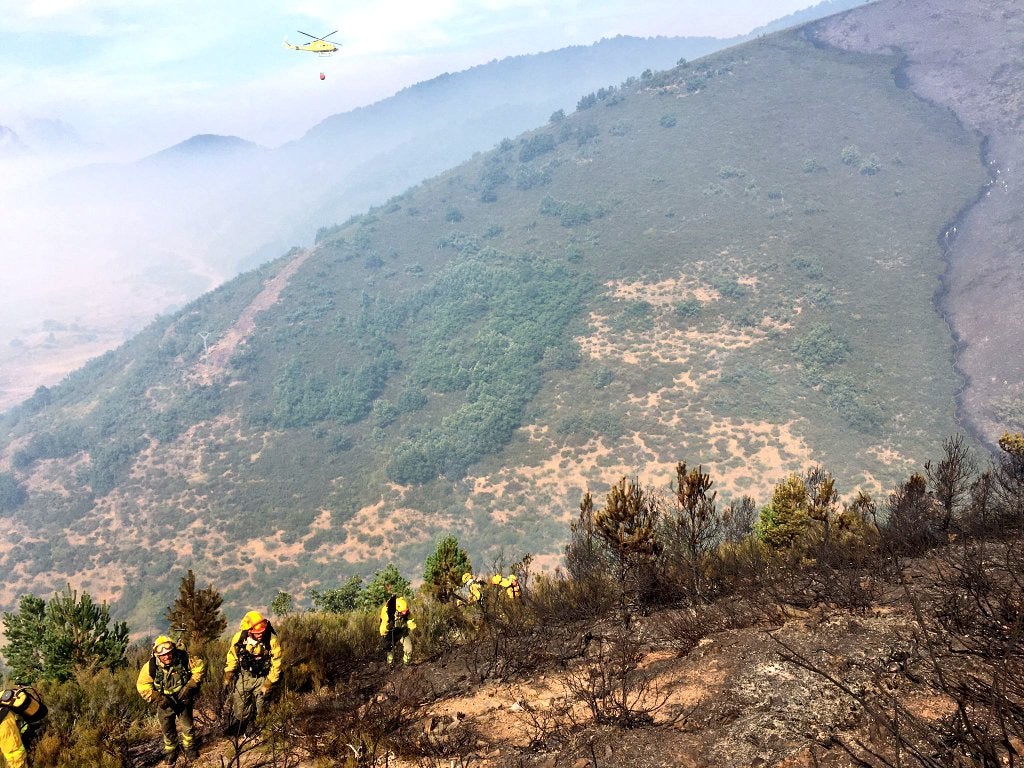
321,46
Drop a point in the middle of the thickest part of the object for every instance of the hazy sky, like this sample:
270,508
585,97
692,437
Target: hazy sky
136,76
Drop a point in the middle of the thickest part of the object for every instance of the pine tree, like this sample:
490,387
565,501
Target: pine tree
77,634
695,524
585,554
385,582
197,613
951,478
444,567
1008,477
626,524
912,525
784,521
24,631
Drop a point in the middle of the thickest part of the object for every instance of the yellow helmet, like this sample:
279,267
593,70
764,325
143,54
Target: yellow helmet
467,577
496,579
162,645
401,605
251,619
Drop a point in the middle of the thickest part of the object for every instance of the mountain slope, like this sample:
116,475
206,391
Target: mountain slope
985,90
141,240
731,263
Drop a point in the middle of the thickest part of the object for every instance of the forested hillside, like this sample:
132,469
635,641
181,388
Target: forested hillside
730,263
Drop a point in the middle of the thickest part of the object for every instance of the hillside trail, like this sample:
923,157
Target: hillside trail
213,364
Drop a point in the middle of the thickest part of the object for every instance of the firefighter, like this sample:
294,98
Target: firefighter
15,754
21,715
252,669
471,590
171,679
395,626
510,584
512,589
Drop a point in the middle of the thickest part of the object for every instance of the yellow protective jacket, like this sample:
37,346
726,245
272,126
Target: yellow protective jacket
394,615
157,679
511,586
261,658
11,744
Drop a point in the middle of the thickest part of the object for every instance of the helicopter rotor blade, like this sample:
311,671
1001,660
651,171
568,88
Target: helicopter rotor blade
324,38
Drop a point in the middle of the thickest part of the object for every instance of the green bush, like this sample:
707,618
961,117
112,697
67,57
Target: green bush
535,146
338,600
688,309
325,649
820,348
12,493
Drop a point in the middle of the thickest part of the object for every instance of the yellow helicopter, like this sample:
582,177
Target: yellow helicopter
321,46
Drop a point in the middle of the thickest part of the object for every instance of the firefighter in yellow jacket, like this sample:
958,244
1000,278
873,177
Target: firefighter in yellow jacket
11,744
21,710
395,625
171,679
471,590
509,584
252,669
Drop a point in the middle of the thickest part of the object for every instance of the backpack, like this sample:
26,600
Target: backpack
159,674
255,665
25,703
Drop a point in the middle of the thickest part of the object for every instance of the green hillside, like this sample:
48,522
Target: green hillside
732,263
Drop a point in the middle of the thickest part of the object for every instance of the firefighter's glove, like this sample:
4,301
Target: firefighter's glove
190,689
266,688
229,679
164,702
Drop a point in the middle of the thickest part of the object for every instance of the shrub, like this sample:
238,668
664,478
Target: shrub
850,155
688,308
535,146
339,600
325,649
914,520
528,177
12,493
870,166
820,348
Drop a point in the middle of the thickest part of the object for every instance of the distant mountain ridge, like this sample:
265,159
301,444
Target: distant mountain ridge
207,145
10,143
166,231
